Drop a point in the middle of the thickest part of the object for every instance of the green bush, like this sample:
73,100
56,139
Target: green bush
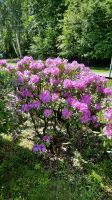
6,109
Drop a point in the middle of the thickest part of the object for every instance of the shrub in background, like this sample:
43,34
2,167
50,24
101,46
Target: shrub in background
7,99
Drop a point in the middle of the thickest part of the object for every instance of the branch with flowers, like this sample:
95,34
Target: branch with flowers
60,97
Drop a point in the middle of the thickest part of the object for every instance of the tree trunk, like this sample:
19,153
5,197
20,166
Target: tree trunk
110,68
18,45
15,48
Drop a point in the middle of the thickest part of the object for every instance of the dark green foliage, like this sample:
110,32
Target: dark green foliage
87,29
46,15
45,28
6,112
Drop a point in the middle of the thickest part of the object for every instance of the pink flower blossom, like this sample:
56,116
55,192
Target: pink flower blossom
87,98
46,138
39,148
48,112
108,130
82,107
51,70
45,96
34,79
11,68
49,62
79,84
37,65
101,89
26,93
26,74
108,114
85,118
98,106
54,81
36,148
94,118
97,124
47,71
71,101
58,61
24,62
3,63
55,71
67,83
26,107
66,113
36,104
42,148
108,91
71,66
55,96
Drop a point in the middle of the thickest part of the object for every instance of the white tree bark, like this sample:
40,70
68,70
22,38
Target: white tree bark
110,72
18,45
15,48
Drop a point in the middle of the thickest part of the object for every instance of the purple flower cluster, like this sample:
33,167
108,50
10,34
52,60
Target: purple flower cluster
108,91
11,68
34,79
24,62
46,138
56,86
28,106
98,106
42,147
87,98
3,63
45,96
55,96
39,148
94,118
66,113
26,93
52,71
55,62
48,112
85,118
108,114
39,65
108,130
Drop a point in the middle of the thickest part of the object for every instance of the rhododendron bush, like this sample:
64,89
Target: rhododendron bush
60,97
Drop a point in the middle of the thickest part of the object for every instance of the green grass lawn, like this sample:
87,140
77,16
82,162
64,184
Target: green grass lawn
25,176
100,69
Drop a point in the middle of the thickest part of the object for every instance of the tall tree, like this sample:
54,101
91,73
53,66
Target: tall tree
12,24
87,29
46,15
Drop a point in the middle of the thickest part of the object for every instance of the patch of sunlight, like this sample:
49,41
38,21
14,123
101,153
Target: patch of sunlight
77,159
26,139
26,143
6,137
97,178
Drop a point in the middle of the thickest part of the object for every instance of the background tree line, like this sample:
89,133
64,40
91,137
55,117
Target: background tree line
67,28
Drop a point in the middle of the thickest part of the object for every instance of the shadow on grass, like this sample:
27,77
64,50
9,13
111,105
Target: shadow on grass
22,176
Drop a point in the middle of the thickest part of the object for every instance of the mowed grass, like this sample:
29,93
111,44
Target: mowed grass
25,176
99,69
